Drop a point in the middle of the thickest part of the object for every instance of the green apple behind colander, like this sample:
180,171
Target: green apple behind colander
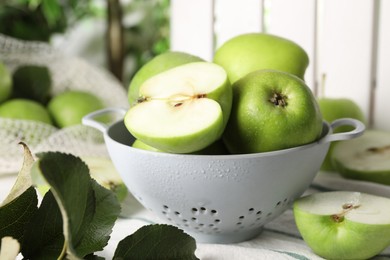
217,198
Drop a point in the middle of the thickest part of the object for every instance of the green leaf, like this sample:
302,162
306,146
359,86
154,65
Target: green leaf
88,210
98,230
23,181
15,215
43,238
21,203
70,183
157,242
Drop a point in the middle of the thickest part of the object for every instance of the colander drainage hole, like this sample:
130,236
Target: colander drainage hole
278,204
241,217
203,210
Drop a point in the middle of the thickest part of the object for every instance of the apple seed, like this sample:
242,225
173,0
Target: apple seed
278,99
347,207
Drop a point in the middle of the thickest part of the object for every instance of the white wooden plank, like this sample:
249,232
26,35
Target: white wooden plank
192,27
295,20
382,97
233,17
345,49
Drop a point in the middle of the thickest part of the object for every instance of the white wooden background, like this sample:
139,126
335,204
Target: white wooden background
347,40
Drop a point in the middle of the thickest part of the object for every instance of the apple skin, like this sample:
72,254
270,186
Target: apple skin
335,108
25,109
69,107
258,125
254,51
217,148
360,169
158,64
344,240
5,83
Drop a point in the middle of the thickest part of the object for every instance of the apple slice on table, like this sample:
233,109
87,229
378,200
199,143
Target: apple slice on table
182,110
364,158
344,225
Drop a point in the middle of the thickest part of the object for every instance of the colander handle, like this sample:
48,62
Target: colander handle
89,119
358,130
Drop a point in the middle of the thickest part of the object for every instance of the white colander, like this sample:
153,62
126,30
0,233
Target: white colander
217,198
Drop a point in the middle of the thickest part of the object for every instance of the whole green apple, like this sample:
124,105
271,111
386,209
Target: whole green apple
364,158
343,224
336,108
254,51
183,109
158,64
5,83
271,110
25,109
69,107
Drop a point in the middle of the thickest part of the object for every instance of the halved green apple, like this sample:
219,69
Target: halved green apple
216,148
344,225
182,110
364,158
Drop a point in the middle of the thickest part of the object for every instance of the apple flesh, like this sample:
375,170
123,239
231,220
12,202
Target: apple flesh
272,110
158,64
336,108
182,110
364,158
246,53
344,225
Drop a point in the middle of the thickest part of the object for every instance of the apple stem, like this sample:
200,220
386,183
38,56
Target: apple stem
278,100
347,207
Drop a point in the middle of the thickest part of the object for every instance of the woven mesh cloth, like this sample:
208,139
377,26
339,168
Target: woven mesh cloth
67,73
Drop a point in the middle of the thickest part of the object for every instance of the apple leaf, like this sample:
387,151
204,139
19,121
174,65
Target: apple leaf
98,231
157,242
23,181
21,203
43,237
88,210
15,215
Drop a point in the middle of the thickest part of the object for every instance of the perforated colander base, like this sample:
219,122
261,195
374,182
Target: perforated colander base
210,225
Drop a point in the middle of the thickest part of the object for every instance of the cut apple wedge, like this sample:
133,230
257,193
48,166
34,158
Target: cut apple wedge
364,158
344,225
182,110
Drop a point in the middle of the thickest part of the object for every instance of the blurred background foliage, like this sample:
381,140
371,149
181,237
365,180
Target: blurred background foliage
144,25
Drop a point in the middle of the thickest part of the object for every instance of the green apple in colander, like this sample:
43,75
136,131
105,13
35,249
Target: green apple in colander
249,52
182,110
216,148
272,110
344,224
364,158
